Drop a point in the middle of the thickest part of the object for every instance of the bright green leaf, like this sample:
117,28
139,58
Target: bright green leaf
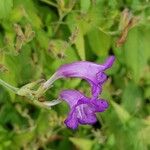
100,42
5,8
132,98
85,4
144,135
136,50
80,45
123,115
82,144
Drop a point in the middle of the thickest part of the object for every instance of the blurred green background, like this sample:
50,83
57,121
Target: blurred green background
37,36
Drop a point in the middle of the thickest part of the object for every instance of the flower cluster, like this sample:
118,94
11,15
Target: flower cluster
83,109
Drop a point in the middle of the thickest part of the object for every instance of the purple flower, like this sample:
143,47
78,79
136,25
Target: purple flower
83,109
92,72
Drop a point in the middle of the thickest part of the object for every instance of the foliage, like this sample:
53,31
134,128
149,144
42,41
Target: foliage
37,36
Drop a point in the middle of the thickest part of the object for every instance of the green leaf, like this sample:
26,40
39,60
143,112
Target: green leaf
123,115
10,77
72,83
30,12
85,5
136,50
132,98
69,53
5,139
42,38
5,8
147,92
100,42
86,21
144,135
16,14
80,45
42,122
23,137
82,144
79,42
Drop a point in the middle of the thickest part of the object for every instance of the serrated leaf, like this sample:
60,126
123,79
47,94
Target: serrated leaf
5,8
85,21
69,56
30,12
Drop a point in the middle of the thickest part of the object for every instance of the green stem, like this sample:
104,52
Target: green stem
40,92
58,24
8,86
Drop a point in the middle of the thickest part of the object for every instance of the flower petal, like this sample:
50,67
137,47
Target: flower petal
96,89
101,105
90,119
86,113
92,72
109,62
71,121
71,97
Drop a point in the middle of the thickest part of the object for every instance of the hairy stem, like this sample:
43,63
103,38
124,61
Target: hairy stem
8,86
27,91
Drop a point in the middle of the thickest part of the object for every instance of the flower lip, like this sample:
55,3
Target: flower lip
82,109
109,62
104,104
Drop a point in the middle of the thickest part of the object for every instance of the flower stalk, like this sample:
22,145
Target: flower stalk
8,86
45,86
33,95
